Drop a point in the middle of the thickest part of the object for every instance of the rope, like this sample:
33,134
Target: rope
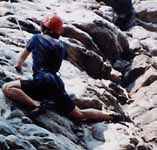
18,23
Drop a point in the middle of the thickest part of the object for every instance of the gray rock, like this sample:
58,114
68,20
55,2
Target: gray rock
25,25
35,141
144,80
154,62
4,23
3,143
138,32
5,11
12,0
26,120
143,111
110,41
4,106
73,32
147,25
119,93
145,96
98,131
82,57
134,141
18,143
105,12
41,137
32,130
57,124
146,11
150,45
110,102
138,67
15,113
129,147
149,131
144,147
5,128
134,44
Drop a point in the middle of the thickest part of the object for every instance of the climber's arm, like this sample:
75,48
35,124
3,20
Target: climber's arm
21,60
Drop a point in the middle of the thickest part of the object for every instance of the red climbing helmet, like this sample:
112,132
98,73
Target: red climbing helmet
53,23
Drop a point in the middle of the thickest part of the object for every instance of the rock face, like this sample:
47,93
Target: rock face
147,10
101,59
110,41
81,57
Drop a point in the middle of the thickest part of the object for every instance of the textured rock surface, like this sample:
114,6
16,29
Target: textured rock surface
147,10
111,42
91,39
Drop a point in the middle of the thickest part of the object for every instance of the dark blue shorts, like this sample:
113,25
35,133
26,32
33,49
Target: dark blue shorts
49,86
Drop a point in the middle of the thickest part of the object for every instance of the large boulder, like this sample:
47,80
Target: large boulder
105,12
142,40
138,32
25,25
143,111
75,33
147,10
145,96
87,60
109,39
139,65
150,45
144,80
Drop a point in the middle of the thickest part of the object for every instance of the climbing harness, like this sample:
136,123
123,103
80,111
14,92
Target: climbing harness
18,23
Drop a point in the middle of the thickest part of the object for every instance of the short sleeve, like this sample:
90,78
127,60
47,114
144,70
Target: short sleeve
64,46
31,43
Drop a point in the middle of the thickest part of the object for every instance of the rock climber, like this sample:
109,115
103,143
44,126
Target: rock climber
48,53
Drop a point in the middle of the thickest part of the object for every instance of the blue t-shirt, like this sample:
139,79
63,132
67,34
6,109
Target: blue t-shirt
47,53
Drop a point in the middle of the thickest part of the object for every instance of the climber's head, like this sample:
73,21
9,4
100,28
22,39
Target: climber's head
52,25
